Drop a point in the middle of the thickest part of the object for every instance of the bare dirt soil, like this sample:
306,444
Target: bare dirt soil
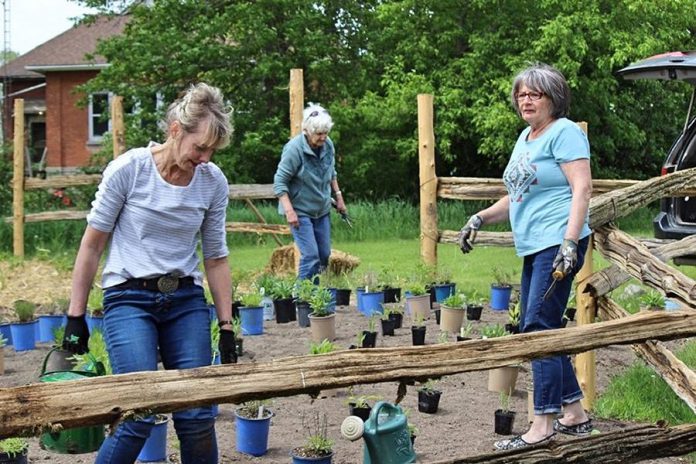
463,425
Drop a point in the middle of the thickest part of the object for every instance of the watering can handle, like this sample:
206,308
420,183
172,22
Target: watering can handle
98,365
377,408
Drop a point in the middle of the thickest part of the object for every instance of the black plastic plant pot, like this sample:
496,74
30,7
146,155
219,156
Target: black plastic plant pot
397,319
503,422
235,308
570,313
392,295
363,413
462,339
285,310
20,458
342,296
473,312
418,335
369,340
428,401
512,328
387,327
239,346
431,291
437,316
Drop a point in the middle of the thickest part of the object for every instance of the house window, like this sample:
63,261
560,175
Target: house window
99,122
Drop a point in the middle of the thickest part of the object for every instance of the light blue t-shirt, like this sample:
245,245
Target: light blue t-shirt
540,195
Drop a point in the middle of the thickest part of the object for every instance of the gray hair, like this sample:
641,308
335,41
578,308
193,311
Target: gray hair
316,119
543,78
203,104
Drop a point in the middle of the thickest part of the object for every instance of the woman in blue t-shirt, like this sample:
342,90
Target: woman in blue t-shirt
549,184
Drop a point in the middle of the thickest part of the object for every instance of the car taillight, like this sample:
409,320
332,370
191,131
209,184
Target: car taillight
663,172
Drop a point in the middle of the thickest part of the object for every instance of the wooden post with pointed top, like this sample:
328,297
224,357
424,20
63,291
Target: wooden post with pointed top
585,363
296,101
117,125
428,180
18,180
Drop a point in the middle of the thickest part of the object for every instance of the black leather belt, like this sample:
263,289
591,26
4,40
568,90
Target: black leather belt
164,284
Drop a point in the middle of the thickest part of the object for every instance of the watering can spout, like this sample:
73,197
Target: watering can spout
352,428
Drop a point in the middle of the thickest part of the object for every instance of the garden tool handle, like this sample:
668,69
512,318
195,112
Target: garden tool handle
557,274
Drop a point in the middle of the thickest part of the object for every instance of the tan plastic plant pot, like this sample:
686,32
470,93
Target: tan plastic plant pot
451,319
419,305
323,327
503,379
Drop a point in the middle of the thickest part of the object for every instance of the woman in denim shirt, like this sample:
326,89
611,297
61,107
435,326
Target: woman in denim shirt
303,183
549,184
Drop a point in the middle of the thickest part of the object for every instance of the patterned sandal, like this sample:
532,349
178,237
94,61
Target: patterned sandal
579,430
518,442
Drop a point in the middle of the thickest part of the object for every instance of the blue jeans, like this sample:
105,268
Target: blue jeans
555,383
136,323
313,238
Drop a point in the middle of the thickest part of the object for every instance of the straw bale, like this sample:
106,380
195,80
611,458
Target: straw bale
286,260
32,280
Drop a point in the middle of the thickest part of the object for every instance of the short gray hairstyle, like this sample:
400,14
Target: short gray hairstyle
203,103
541,77
316,119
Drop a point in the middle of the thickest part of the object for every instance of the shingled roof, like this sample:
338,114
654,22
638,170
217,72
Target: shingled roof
67,49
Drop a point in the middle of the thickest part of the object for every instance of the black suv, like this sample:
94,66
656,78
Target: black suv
677,217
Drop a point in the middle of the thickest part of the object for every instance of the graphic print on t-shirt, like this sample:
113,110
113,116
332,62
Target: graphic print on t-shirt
519,176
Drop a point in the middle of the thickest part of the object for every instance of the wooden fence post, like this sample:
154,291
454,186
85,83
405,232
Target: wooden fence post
585,363
296,101
18,180
117,127
428,180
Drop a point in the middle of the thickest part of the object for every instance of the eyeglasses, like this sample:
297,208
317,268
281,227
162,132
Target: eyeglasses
316,113
533,96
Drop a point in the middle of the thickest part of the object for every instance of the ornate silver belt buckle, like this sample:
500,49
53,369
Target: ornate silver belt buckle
167,283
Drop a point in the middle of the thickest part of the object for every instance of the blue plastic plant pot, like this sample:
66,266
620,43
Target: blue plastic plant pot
672,305
252,320
322,460
95,323
155,447
252,435
23,336
500,298
359,292
47,324
6,333
444,291
372,303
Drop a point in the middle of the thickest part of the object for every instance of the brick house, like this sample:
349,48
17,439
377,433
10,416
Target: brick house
60,135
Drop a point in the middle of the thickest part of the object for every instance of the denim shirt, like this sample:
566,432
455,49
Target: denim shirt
305,177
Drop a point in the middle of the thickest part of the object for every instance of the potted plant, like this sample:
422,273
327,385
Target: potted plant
396,313
418,330
14,451
443,285
474,306
251,312
3,342
418,300
370,295
429,397
452,313
23,331
501,289
265,283
389,281
5,331
305,289
387,322
504,417
465,332
283,300
253,422
513,324
370,335
359,404
322,321
342,283
54,316
325,346
95,309
501,379
359,340
318,449
238,335
652,300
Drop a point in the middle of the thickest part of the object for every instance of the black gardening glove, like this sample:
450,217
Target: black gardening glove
467,234
567,257
227,346
76,335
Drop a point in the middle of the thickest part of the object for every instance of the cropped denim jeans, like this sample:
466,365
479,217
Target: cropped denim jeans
313,238
136,324
555,383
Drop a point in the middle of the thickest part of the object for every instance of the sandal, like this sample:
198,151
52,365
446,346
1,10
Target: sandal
579,430
518,442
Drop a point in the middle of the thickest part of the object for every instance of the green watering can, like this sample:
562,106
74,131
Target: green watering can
387,440
80,439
